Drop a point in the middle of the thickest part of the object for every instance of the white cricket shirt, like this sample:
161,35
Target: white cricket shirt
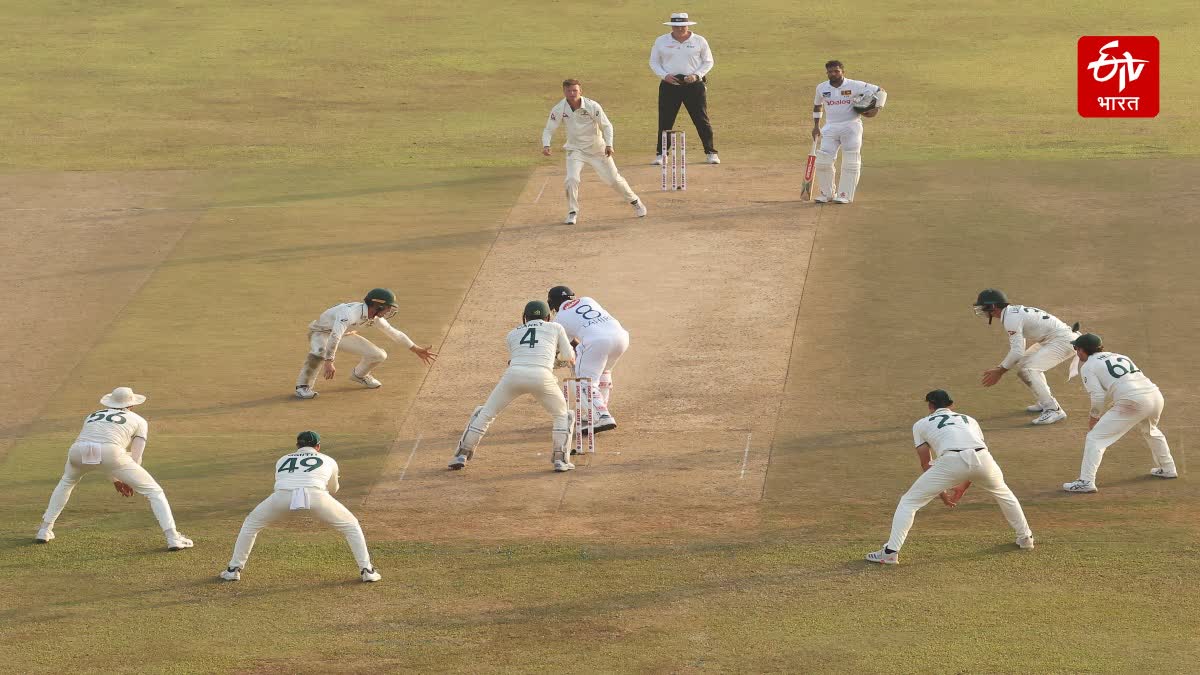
669,56
115,426
347,316
837,99
1029,324
537,343
1107,373
588,128
945,430
306,468
582,317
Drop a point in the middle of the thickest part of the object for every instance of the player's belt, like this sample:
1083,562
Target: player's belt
965,449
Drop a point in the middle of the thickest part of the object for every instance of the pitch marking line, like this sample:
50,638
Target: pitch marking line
410,456
544,184
745,456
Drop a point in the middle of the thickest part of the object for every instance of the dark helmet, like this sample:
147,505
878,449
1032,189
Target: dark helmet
535,309
940,398
381,298
991,296
558,295
1089,342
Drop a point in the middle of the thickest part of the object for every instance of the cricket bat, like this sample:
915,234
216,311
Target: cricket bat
809,167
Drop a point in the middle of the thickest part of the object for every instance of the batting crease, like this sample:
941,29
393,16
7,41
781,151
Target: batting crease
410,456
544,184
745,456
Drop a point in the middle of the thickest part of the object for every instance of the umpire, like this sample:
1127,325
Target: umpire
682,59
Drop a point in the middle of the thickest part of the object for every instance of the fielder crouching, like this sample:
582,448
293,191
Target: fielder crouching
304,480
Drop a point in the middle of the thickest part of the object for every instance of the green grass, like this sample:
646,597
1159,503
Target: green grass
344,146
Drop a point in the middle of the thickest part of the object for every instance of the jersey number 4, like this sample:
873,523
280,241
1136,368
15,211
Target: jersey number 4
307,463
530,338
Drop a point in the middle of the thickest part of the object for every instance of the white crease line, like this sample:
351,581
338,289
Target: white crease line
535,199
410,456
745,456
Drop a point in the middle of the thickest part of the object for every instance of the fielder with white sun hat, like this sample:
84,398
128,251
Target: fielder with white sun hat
682,60
113,439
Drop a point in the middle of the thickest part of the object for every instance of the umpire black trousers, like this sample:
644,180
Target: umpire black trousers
692,96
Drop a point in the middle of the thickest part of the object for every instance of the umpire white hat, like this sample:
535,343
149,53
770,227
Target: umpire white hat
679,19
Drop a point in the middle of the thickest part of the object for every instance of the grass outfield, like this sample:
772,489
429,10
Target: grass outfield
323,149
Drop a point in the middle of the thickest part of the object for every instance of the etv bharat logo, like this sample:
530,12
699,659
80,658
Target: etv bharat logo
1113,82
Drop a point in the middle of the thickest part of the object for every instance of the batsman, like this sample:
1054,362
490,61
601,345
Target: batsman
845,103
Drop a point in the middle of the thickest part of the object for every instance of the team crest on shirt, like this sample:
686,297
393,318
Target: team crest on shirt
847,92
827,94
1012,332
553,116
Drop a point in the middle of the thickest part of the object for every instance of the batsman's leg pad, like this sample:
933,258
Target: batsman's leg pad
606,386
851,168
824,171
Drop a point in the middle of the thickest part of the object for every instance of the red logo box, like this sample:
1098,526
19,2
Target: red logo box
1118,76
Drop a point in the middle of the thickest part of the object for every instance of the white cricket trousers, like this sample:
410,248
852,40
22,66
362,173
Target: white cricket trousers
321,504
542,384
120,465
949,470
1039,358
605,167
847,136
1141,409
352,343
595,357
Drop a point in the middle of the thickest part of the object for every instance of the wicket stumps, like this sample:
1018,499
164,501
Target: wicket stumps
674,147
583,412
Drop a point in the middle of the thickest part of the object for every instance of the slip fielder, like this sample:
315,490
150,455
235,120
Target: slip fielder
113,439
305,480
335,328
953,454
1137,402
589,141
534,348
845,103
1051,346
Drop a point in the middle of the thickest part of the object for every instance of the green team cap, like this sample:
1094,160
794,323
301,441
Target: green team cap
308,439
1088,341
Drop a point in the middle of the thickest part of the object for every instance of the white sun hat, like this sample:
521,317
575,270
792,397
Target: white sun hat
679,19
122,397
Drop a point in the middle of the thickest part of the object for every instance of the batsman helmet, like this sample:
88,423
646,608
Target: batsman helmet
558,295
1090,343
382,299
535,309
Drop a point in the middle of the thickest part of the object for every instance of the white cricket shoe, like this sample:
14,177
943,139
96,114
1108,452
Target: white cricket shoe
1036,407
177,542
1051,416
459,461
305,392
840,200
1025,542
639,209
883,557
570,219
605,422
821,199
1080,486
231,574
369,575
658,161
45,534
713,159
367,380
561,466
1156,471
